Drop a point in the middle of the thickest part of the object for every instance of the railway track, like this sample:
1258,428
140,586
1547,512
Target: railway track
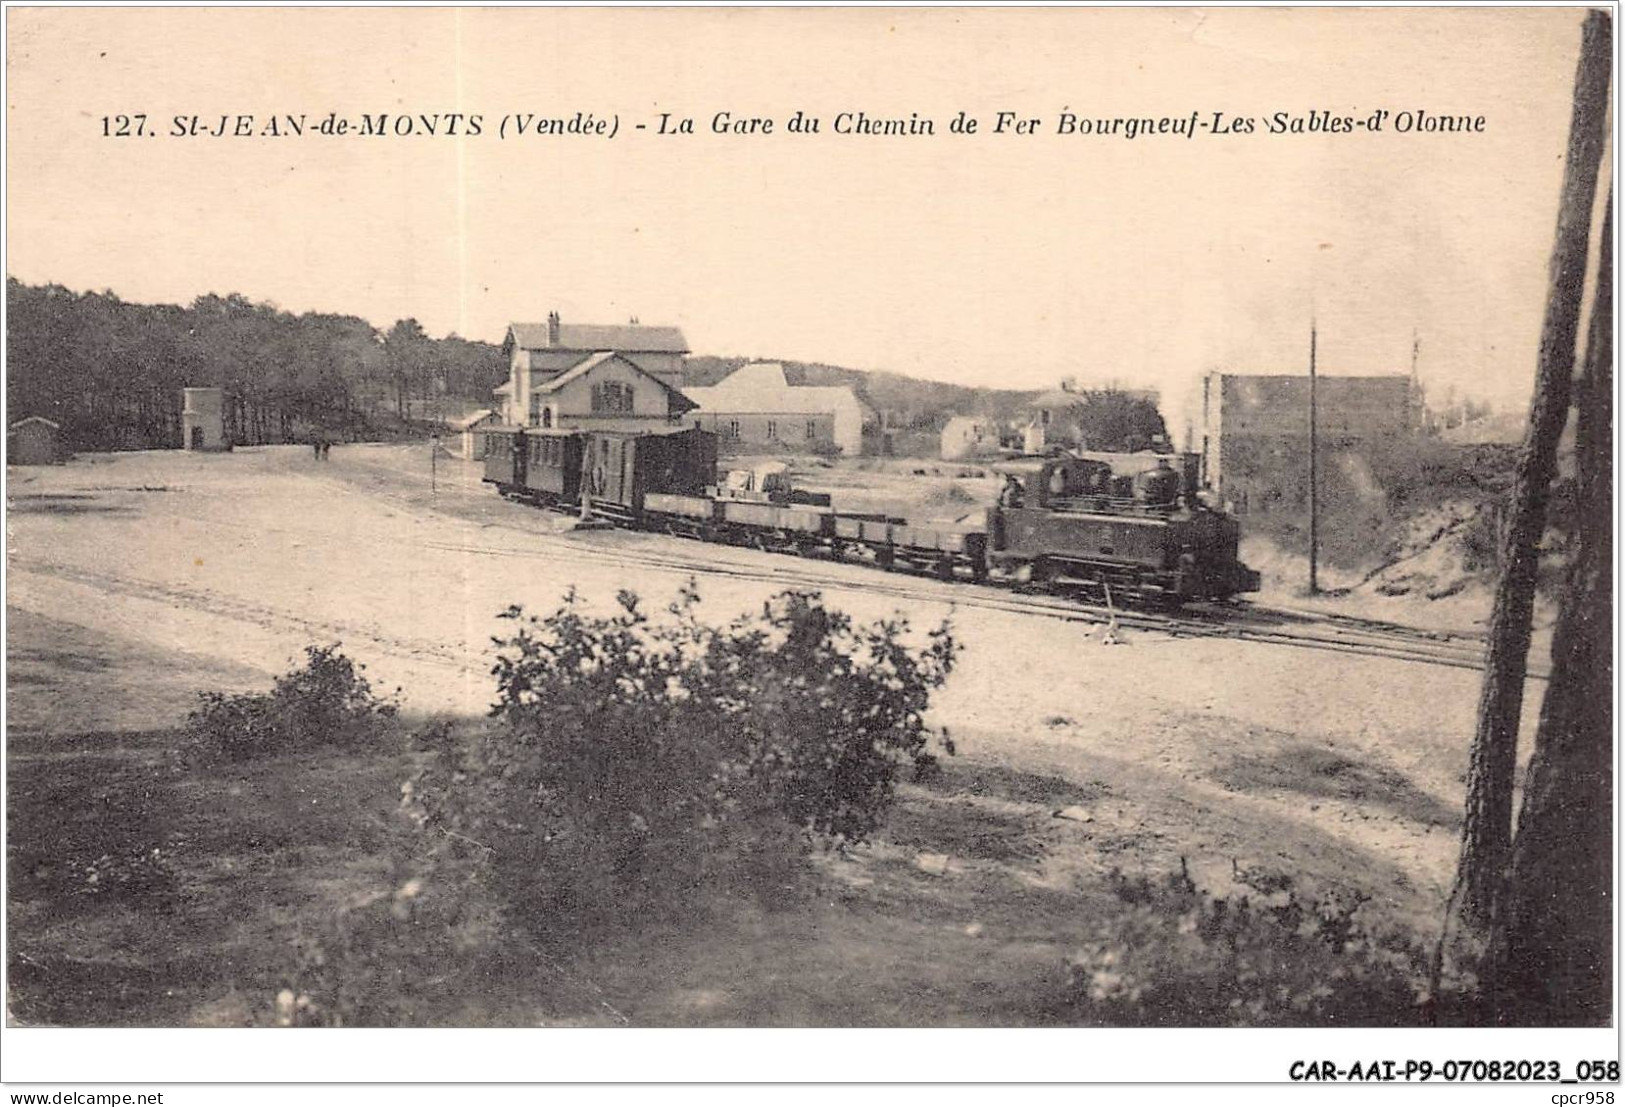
1237,620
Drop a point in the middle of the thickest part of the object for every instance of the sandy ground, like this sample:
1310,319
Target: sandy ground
1346,771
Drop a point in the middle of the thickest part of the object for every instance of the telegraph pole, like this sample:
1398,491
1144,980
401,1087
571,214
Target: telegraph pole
1413,417
1314,504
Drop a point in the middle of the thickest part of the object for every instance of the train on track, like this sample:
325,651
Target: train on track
1125,528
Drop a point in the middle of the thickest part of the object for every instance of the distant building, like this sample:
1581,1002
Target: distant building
34,441
1055,411
203,419
756,408
967,436
472,429
1255,431
1058,413
1032,438
648,361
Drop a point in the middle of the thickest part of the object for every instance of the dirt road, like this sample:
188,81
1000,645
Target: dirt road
1344,770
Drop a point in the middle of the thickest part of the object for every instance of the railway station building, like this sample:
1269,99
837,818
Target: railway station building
589,375
1255,432
607,391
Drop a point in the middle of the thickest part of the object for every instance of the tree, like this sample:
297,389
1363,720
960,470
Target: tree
111,372
1113,419
1487,830
1551,952
405,354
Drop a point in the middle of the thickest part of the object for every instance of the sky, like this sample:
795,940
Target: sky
990,259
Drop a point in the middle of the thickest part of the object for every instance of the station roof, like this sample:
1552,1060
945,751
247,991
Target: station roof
630,338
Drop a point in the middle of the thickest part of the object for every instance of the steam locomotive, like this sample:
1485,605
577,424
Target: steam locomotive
1130,528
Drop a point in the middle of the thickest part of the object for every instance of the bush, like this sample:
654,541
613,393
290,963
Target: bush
634,764
1177,956
326,703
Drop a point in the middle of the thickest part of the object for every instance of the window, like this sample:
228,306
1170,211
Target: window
772,429
612,397
535,411
733,428
812,429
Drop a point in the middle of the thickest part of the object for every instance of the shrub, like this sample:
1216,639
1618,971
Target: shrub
632,764
1176,956
325,703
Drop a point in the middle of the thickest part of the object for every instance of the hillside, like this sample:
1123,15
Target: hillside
911,403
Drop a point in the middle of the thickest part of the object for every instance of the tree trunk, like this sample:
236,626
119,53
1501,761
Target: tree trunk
1550,957
1487,831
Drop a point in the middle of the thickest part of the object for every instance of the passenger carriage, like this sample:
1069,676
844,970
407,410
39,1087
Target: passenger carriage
536,464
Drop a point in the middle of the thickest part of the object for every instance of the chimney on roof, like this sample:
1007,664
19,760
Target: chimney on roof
633,320
552,328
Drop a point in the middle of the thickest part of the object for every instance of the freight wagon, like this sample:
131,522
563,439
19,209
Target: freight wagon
1128,527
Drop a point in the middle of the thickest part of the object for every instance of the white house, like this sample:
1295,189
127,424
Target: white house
755,407
967,436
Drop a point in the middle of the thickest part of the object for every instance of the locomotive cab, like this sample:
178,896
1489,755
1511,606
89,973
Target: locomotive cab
1158,487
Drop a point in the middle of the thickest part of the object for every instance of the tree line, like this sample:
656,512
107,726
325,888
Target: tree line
111,372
